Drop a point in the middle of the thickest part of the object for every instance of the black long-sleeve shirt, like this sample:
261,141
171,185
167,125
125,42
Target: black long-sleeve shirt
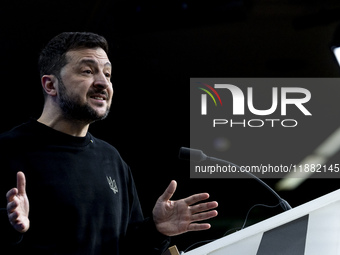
82,196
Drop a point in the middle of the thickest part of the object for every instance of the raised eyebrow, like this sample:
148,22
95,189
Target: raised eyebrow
88,61
93,62
108,65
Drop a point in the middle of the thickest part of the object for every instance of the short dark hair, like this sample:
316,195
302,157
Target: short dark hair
53,57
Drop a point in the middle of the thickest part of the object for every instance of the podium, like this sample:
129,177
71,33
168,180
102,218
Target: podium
309,229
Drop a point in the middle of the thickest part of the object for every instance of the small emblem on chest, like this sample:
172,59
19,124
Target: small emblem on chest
113,184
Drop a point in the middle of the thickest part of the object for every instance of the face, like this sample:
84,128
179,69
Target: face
84,86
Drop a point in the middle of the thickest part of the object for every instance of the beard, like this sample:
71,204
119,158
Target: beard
73,109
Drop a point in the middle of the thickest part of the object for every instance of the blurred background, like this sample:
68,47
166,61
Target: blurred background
156,46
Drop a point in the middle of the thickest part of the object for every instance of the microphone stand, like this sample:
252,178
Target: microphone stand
198,156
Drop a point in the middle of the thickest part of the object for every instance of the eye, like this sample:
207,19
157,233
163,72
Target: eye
87,71
108,75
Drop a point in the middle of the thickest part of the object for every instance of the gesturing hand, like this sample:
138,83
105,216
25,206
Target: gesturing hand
177,217
18,205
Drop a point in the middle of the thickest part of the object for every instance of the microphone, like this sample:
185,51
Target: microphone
198,156
192,154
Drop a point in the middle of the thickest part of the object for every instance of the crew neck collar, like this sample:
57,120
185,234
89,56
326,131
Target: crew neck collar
60,137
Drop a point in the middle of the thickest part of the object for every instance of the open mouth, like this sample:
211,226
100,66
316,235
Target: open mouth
99,97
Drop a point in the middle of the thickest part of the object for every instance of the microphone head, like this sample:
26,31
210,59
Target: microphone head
192,154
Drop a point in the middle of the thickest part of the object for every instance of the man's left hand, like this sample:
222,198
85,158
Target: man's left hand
177,217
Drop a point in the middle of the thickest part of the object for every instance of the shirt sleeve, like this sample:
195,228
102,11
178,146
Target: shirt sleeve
144,238
9,236
142,235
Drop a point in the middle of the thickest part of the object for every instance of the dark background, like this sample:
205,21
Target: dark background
156,46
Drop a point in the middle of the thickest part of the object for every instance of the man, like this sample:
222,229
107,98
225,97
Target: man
80,196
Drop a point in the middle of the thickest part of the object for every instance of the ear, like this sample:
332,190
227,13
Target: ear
48,83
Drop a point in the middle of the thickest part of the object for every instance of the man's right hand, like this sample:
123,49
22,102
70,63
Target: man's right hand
18,205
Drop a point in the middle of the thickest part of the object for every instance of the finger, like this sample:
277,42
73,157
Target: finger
16,223
203,207
13,217
21,183
11,194
11,206
204,216
198,226
196,198
21,227
170,190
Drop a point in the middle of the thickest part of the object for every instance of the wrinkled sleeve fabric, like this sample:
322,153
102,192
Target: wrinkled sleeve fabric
142,235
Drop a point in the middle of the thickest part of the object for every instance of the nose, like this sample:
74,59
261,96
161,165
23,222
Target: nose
102,81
